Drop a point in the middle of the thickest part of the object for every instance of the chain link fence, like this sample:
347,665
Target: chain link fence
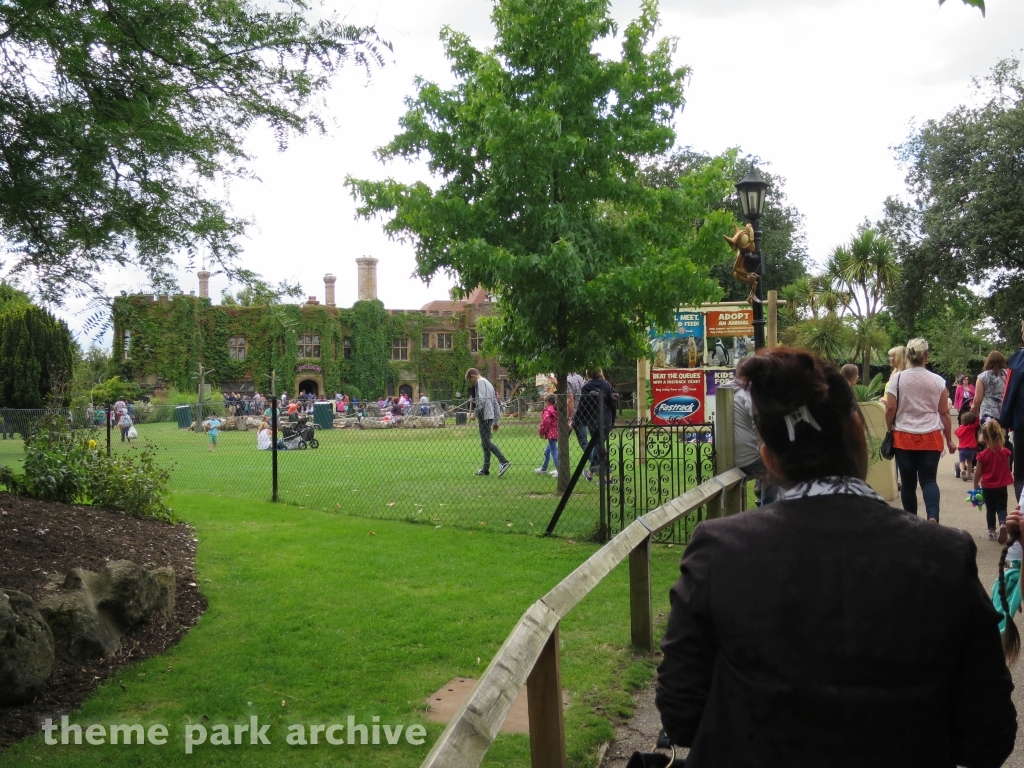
417,461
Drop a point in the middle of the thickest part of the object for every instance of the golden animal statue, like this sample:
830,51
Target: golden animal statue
744,268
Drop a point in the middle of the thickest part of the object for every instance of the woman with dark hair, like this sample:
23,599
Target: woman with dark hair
828,628
917,411
988,394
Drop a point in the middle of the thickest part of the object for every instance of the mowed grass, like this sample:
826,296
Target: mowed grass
314,617
423,475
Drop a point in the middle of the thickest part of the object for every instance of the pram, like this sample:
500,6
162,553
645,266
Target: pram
299,435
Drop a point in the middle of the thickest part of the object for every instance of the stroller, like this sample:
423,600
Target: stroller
299,436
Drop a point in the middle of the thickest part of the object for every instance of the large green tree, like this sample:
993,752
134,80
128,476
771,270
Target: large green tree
965,225
539,152
783,242
36,353
117,116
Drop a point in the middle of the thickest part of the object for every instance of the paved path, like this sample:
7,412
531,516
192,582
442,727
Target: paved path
642,730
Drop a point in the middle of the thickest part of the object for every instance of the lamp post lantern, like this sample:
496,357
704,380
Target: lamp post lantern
752,190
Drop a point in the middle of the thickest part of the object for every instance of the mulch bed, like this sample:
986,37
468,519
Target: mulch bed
40,541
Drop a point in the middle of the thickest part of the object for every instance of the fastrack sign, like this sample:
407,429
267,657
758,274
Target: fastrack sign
678,395
732,322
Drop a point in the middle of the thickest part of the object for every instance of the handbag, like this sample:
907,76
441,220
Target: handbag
132,433
657,759
887,450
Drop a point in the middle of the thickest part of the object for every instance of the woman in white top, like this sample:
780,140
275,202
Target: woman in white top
263,437
920,420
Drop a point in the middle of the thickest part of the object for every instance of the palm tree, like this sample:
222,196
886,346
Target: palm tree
865,273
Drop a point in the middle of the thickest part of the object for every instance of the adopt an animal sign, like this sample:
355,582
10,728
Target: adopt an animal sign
678,395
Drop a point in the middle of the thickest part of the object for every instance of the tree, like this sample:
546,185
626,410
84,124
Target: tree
36,350
539,149
259,293
979,4
117,116
783,244
91,368
114,389
865,272
966,224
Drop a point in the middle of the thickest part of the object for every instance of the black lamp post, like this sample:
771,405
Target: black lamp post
752,189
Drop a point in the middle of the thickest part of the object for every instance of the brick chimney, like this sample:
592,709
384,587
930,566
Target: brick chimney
329,281
204,283
367,278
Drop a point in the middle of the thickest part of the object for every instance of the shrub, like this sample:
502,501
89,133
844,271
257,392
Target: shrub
69,466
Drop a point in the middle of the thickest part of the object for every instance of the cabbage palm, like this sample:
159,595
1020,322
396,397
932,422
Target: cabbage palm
865,272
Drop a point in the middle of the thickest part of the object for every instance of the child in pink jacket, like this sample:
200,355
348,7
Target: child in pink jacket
549,431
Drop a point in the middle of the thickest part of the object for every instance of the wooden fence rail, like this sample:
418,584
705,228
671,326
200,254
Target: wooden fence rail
530,654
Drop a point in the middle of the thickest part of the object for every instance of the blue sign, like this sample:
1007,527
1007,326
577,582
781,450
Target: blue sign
677,408
687,324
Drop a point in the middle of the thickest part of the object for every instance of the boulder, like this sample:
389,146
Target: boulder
423,422
133,592
89,618
372,423
165,580
26,649
80,631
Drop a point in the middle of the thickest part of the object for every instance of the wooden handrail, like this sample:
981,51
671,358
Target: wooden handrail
471,732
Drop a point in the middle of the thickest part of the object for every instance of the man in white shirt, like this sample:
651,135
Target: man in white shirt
487,413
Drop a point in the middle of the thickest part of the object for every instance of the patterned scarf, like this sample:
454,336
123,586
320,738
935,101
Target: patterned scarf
830,486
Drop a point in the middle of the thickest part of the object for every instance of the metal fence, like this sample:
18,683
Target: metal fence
653,464
417,463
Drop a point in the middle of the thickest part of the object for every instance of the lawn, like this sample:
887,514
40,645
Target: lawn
314,617
421,475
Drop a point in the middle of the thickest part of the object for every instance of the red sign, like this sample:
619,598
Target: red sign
678,395
731,322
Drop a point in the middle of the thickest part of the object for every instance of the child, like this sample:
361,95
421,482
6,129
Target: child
994,476
125,423
967,438
212,425
549,431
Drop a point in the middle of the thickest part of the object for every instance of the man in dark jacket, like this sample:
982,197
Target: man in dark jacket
597,411
1011,417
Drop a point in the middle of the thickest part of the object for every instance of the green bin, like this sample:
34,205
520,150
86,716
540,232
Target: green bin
460,418
323,415
183,414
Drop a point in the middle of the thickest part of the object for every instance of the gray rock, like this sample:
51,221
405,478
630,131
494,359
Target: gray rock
165,579
132,595
80,631
26,648
89,618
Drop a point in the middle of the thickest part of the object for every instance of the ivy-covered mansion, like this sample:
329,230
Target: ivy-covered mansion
160,341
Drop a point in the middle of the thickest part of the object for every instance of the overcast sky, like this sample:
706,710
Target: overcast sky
822,89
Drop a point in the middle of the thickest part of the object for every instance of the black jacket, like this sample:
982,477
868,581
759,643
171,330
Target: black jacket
591,396
1011,416
834,631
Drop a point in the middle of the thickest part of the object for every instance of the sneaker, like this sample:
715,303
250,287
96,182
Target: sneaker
991,535
1003,534
540,471
553,473
482,472
588,474
504,468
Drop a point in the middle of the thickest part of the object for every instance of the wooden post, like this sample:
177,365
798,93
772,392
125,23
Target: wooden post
643,375
544,705
773,319
641,617
725,450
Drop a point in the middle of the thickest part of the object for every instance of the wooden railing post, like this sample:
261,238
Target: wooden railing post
725,450
544,705
641,616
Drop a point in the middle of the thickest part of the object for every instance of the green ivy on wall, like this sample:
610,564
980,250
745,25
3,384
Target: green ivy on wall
169,337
